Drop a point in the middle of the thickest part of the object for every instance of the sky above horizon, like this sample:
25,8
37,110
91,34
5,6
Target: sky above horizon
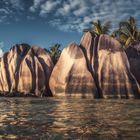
46,22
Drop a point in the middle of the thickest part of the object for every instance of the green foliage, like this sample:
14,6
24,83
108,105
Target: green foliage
54,52
127,33
99,28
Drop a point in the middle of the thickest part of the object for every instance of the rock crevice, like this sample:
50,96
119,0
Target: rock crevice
96,68
25,71
104,66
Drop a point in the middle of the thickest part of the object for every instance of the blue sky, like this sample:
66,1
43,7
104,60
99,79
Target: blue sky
46,22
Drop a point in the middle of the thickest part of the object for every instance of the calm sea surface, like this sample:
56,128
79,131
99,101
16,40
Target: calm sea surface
69,118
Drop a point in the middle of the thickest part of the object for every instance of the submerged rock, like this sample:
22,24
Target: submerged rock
97,67
25,70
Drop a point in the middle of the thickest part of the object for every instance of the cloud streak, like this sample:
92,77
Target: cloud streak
75,15
49,6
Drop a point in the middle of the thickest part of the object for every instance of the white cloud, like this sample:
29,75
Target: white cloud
4,11
96,9
70,25
80,12
48,6
68,6
64,10
82,9
10,9
1,52
17,4
73,15
1,49
36,4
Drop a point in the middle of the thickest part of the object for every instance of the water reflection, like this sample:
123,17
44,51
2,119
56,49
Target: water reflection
69,118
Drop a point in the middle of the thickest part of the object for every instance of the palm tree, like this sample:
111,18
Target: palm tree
98,28
127,33
54,52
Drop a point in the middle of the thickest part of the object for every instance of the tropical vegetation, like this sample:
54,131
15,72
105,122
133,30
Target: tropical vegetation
54,52
127,32
99,28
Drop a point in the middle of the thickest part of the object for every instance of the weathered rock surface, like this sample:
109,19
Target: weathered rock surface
25,70
71,76
113,70
97,67
133,54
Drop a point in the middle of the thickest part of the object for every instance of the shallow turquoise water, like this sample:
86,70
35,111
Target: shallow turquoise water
69,118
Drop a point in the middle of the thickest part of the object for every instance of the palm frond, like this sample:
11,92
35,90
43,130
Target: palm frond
128,42
54,52
97,27
106,27
126,27
132,21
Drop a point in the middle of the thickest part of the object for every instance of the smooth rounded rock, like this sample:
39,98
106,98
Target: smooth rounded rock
25,71
70,76
115,77
97,67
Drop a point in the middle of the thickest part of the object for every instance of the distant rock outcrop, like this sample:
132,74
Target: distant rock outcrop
25,70
97,67
133,54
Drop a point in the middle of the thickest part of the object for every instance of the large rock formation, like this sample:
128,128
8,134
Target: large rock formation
25,70
97,67
72,75
133,53
113,70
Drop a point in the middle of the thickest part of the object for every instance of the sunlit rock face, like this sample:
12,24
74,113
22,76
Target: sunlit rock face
25,70
114,74
97,67
71,76
133,54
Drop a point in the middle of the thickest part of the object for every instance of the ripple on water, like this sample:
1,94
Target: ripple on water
69,118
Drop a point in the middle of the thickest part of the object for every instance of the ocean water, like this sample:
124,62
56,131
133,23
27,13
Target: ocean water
69,119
